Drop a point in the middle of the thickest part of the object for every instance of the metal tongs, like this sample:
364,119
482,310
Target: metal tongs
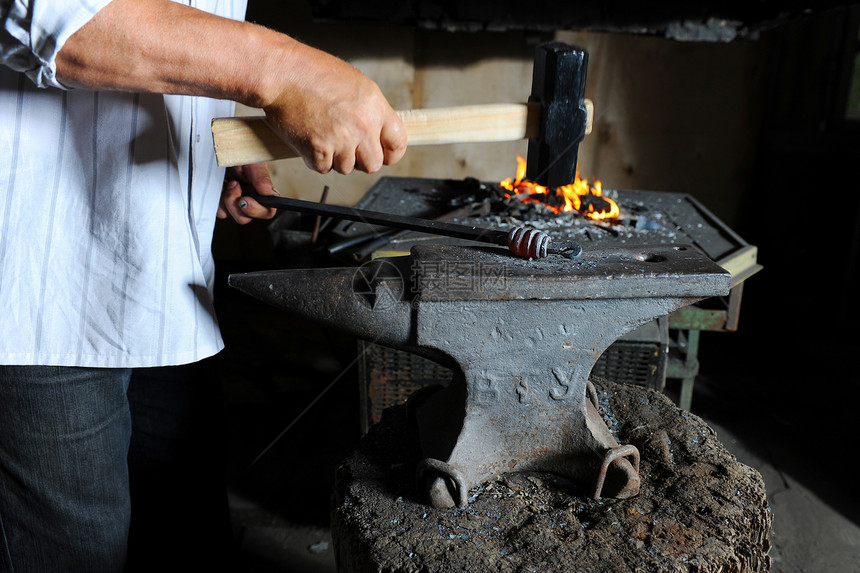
522,241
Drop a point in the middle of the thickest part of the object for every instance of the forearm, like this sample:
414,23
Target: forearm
164,47
330,112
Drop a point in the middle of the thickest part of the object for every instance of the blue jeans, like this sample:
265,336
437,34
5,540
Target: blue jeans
64,496
109,470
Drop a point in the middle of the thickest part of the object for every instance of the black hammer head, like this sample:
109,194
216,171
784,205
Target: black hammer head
558,84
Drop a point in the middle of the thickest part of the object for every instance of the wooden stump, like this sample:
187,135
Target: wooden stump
699,509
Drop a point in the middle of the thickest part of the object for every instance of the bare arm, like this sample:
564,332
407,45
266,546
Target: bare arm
330,112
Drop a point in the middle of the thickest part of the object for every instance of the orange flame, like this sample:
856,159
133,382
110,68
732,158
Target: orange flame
572,194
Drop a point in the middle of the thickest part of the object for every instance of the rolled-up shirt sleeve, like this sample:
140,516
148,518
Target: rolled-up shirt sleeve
33,31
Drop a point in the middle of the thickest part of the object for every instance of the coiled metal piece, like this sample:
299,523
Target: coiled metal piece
528,243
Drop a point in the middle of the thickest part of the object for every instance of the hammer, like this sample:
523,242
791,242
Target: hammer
555,120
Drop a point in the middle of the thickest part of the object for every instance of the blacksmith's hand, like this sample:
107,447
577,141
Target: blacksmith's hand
239,181
333,115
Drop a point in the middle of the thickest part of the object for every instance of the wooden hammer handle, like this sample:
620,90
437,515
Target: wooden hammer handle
245,140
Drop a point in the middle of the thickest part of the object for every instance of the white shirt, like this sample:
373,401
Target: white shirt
107,207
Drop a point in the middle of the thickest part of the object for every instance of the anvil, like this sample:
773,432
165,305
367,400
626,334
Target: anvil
521,337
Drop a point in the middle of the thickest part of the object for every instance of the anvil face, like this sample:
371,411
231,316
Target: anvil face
522,337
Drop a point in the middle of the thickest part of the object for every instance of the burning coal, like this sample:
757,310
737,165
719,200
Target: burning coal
579,196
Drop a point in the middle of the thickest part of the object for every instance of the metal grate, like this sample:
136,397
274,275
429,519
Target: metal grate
388,377
638,363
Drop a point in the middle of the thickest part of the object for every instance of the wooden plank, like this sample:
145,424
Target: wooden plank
695,318
741,264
